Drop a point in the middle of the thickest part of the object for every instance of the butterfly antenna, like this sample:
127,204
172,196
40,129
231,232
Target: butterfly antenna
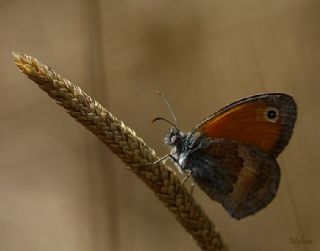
170,109
169,122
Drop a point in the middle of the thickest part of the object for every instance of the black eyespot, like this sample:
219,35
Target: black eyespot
272,114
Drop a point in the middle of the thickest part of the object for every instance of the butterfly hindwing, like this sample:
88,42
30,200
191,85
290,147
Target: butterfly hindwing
241,177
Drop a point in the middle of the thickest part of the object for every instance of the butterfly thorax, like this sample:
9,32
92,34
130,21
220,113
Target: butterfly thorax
182,145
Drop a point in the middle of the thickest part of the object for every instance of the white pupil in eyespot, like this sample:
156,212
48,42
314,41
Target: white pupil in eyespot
173,139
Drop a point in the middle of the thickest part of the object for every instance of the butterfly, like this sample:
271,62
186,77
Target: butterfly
231,155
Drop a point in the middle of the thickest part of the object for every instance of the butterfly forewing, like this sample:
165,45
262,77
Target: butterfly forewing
265,121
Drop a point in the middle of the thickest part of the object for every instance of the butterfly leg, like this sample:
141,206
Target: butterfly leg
174,159
191,188
192,184
177,163
186,178
160,159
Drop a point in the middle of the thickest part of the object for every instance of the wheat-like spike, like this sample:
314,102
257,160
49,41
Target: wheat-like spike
126,145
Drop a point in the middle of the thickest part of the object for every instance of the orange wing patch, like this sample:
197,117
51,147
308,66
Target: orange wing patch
246,123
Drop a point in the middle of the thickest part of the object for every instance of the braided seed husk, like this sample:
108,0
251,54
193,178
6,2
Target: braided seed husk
131,149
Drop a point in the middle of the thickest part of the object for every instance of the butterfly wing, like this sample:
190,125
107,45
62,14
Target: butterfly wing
237,167
265,121
241,177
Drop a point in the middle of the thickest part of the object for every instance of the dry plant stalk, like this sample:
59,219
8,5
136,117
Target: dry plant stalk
131,149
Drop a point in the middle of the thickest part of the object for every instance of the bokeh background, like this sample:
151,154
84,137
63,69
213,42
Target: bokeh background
61,189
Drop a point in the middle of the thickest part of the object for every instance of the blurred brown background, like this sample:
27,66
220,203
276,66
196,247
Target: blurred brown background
61,189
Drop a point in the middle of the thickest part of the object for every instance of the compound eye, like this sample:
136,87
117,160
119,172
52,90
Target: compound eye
272,114
173,139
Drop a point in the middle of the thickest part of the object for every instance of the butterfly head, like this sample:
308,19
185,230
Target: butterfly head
175,138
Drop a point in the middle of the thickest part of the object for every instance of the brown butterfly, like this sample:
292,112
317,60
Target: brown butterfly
232,154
